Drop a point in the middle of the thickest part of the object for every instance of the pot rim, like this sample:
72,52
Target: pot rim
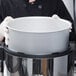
14,29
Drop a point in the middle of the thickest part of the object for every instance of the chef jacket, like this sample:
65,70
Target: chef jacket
22,8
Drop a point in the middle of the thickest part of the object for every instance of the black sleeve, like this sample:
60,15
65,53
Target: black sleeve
1,19
2,11
62,12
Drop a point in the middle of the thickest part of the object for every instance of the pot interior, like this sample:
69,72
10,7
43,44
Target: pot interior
38,24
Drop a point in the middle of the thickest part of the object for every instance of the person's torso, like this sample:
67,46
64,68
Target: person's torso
20,8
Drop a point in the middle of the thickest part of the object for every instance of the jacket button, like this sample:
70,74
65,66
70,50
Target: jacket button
40,6
25,5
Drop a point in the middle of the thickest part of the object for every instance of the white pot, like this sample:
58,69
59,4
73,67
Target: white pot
38,35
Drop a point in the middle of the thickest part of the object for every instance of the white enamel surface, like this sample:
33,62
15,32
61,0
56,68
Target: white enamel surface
33,43
39,24
38,35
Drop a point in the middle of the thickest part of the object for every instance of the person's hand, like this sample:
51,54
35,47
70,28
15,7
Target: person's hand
4,30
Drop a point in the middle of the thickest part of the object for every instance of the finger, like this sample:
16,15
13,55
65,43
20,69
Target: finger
1,38
6,38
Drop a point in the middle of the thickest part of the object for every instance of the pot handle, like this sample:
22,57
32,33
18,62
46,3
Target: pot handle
68,22
55,16
4,28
